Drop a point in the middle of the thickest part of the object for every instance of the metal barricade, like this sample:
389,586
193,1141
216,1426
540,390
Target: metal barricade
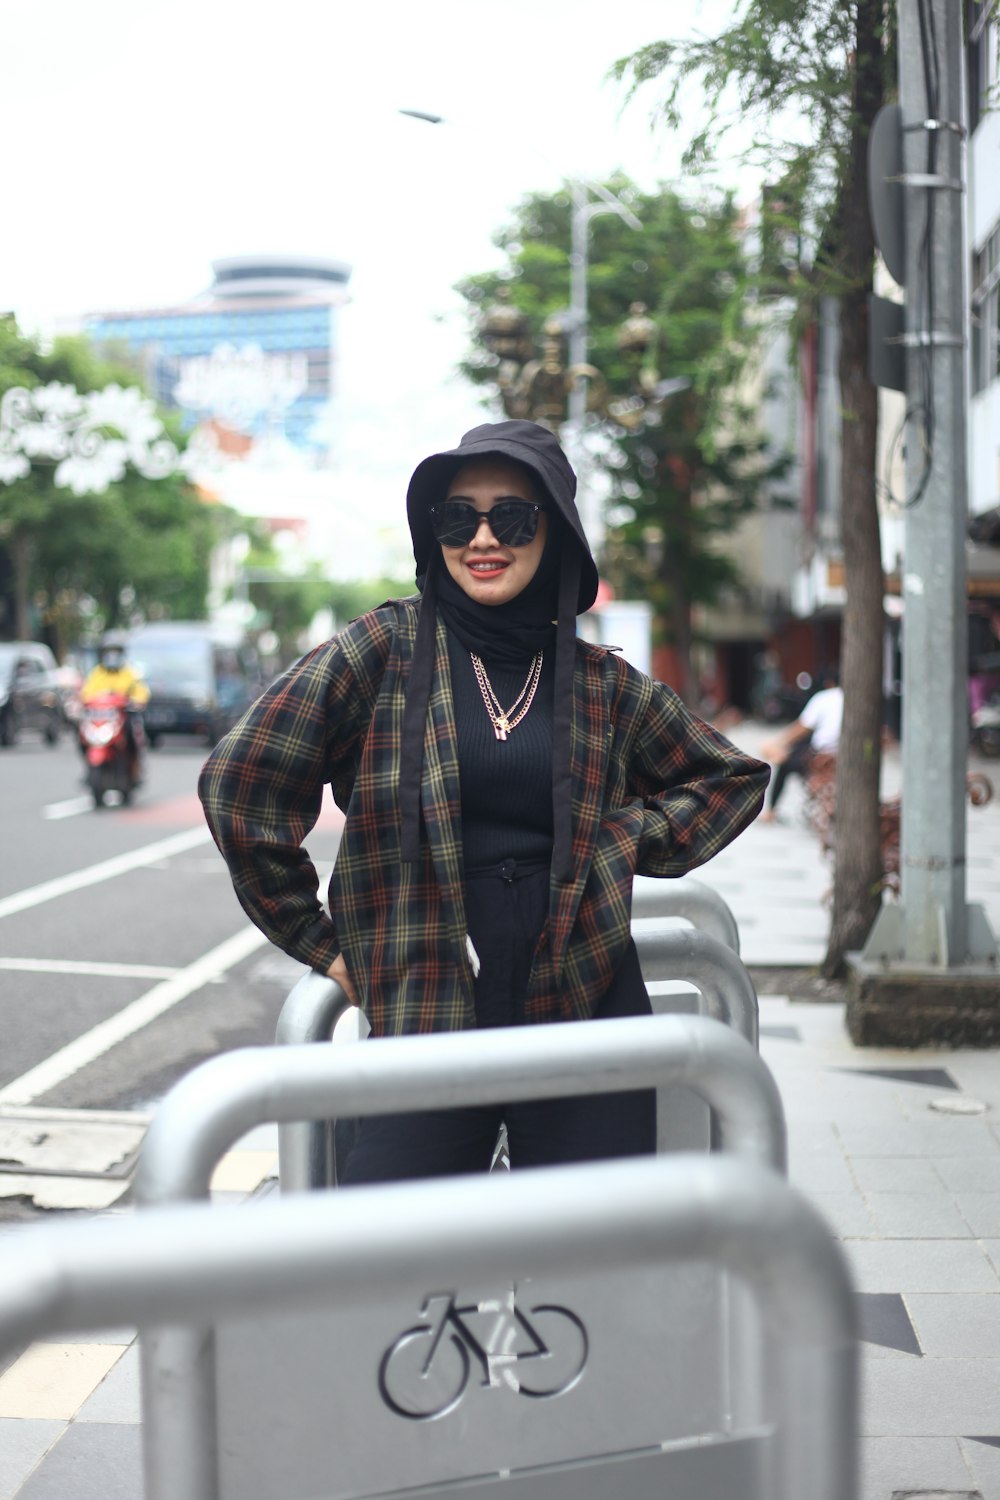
221,1100
307,1150
477,1336
668,954
691,901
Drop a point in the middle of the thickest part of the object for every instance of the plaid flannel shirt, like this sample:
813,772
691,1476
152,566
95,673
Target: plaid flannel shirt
654,790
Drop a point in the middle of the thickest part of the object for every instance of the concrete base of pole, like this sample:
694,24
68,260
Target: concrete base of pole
894,1005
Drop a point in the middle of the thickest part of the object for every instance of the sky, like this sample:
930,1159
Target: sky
146,139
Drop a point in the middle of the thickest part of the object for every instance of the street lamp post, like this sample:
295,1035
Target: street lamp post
590,199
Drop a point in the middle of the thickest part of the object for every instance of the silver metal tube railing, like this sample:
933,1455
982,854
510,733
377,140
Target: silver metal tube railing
224,1098
211,1107
195,1264
687,955
689,899
306,1148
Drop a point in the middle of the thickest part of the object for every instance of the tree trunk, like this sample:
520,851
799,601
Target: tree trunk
20,547
856,886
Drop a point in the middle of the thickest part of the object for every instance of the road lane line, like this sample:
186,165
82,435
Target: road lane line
68,809
86,967
107,1034
106,870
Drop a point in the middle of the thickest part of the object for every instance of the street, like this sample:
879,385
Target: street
125,958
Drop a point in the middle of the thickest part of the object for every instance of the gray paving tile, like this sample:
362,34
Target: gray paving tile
885,1323
921,1266
955,1326
942,1136
984,1465
845,1213
22,1444
819,1174
894,1463
981,1212
929,1397
892,1174
917,1216
968,1174
992,1249
117,1397
91,1461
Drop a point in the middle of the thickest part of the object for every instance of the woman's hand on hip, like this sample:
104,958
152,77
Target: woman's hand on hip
338,971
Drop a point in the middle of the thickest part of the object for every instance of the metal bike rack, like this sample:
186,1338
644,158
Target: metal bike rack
307,1148
666,954
222,1099
689,899
314,1296
724,984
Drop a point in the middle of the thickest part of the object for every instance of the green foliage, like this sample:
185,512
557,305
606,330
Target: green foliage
140,548
781,77
696,466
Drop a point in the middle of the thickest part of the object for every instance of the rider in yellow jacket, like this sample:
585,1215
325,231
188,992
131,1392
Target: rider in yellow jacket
112,674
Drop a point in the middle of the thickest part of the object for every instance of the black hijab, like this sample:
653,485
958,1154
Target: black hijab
564,585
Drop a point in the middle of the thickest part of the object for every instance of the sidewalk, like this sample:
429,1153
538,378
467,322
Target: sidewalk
885,1143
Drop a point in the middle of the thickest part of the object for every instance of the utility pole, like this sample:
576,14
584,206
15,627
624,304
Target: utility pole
928,972
585,208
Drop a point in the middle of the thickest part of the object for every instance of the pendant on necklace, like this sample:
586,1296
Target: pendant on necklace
500,728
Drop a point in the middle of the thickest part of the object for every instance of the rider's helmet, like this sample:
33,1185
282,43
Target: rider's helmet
113,651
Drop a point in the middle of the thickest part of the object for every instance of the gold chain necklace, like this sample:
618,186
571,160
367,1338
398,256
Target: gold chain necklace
504,720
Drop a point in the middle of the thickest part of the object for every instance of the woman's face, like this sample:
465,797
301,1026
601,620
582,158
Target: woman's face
487,571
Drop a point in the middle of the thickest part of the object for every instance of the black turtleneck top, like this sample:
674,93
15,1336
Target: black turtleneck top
506,784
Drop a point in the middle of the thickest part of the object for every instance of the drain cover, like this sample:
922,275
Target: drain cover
955,1104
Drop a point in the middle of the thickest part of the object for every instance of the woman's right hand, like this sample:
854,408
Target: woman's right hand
338,971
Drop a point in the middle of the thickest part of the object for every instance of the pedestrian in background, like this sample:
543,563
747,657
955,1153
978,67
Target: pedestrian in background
502,782
815,732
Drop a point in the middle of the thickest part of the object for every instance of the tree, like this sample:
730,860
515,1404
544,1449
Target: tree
682,473
140,547
804,80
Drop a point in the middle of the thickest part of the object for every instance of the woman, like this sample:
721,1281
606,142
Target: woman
502,784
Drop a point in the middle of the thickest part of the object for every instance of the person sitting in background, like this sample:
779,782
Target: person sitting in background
815,732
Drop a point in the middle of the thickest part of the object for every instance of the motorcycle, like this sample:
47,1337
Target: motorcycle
112,764
985,727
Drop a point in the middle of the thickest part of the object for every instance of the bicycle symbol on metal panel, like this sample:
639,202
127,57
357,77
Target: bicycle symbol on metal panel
424,1374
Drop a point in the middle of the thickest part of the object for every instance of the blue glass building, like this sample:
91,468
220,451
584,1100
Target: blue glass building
256,353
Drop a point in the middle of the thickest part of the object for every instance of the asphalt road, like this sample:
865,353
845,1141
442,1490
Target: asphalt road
125,958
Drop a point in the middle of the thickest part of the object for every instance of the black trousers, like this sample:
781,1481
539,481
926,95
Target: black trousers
796,763
506,908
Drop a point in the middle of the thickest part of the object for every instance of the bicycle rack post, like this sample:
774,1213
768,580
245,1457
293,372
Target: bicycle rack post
306,1153
219,1101
308,1252
690,899
727,991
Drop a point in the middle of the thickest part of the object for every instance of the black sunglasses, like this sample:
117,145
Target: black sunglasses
514,523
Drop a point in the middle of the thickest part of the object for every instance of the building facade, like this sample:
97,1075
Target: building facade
253,358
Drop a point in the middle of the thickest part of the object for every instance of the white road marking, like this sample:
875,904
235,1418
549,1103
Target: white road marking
106,870
84,966
68,809
107,1034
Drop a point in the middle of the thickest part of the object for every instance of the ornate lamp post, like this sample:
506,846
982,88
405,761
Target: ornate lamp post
541,385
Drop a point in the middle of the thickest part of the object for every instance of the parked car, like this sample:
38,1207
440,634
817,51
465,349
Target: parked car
29,691
201,677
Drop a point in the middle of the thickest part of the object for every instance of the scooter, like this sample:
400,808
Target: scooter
104,740
985,727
